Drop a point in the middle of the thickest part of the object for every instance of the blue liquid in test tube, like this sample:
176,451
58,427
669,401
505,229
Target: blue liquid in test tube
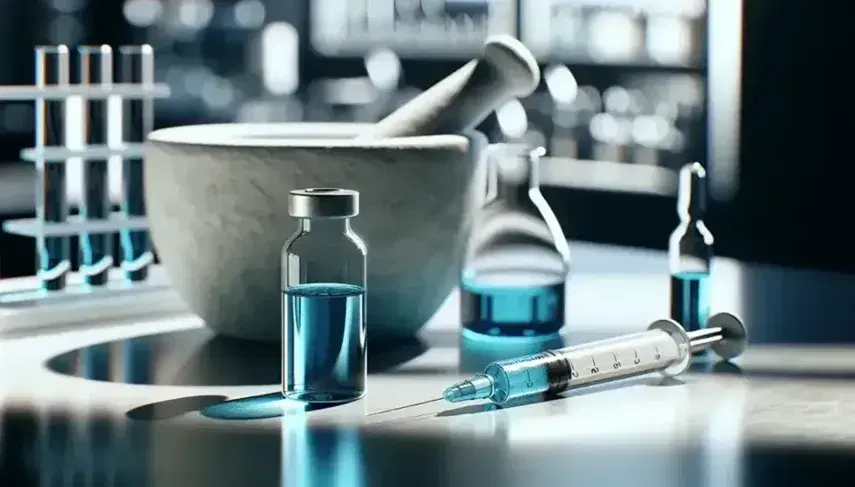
137,121
95,68
52,69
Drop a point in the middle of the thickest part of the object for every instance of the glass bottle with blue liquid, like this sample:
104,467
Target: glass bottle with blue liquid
517,259
323,299
690,251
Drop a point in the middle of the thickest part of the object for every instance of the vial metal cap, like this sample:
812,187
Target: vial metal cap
323,203
692,191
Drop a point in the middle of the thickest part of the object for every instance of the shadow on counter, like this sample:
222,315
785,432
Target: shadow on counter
199,358
273,405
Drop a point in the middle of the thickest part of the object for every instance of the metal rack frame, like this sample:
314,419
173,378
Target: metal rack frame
57,295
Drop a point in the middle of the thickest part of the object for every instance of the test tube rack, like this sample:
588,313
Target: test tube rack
57,295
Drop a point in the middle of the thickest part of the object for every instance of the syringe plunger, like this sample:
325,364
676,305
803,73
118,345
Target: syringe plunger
725,334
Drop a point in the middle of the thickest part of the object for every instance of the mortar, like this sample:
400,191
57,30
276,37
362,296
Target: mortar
217,206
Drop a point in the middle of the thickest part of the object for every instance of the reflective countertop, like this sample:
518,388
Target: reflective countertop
163,402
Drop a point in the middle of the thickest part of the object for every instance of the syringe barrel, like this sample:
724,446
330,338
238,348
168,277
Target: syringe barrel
542,372
555,371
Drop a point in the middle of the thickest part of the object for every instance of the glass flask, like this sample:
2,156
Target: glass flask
323,299
517,259
690,251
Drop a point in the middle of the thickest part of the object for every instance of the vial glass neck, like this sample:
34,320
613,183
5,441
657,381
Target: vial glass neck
332,226
692,192
516,176
691,201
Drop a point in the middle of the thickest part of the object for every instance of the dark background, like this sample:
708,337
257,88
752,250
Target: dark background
792,172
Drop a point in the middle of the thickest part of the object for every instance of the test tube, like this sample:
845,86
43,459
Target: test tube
95,64
52,69
137,121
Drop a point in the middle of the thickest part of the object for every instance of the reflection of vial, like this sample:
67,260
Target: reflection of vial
517,259
690,251
333,457
323,299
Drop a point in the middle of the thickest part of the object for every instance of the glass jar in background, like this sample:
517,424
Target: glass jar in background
518,259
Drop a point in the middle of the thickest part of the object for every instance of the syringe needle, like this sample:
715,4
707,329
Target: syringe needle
386,411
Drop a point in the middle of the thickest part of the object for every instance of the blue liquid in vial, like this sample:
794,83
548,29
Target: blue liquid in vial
323,342
690,300
513,310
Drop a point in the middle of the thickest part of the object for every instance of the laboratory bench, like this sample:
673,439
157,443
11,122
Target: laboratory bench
162,402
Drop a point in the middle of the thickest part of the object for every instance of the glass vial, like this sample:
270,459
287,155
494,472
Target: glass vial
517,259
323,299
690,251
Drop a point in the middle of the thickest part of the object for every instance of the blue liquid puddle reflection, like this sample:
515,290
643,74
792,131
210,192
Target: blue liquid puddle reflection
264,406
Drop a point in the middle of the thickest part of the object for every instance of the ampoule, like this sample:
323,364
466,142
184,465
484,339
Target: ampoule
323,299
517,259
690,251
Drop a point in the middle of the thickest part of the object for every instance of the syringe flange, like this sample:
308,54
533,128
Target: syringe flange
725,334
681,338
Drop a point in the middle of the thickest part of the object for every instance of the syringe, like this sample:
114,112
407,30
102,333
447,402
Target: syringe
665,347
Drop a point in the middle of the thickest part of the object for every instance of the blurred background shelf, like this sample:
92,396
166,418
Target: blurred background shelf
632,89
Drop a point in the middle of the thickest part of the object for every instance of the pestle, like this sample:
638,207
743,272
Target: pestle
461,101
